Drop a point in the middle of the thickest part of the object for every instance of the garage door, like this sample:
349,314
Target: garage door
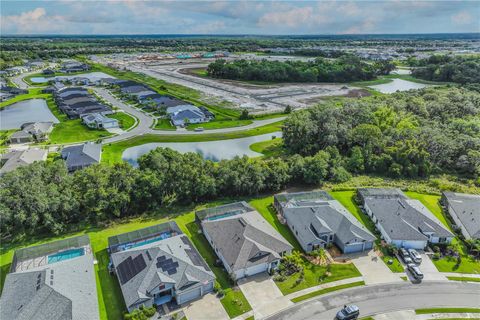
357,247
190,295
255,269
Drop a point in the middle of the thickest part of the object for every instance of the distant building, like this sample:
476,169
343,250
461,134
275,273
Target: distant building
403,222
158,264
54,281
82,156
74,66
465,212
14,159
37,131
316,219
243,240
99,121
185,114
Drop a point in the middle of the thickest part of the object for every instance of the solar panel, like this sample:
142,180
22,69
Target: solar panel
129,268
167,265
196,259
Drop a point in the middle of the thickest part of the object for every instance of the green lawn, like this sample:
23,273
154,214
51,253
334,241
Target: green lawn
112,153
32,94
219,124
269,148
125,120
5,135
469,279
164,124
327,290
468,265
447,310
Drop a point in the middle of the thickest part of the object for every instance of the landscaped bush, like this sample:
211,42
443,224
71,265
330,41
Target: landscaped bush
141,314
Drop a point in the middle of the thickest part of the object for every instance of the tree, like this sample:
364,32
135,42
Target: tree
244,115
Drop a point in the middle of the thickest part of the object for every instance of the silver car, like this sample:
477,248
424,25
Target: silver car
415,256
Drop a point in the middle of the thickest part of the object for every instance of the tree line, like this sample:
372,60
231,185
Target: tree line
408,134
344,69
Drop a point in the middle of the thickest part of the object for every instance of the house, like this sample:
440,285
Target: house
243,240
133,89
316,220
158,264
48,72
163,101
402,221
37,131
99,121
82,156
184,114
54,281
14,159
465,212
74,66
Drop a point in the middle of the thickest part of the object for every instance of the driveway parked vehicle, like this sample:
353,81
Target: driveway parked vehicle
350,312
415,271
415,256
405,256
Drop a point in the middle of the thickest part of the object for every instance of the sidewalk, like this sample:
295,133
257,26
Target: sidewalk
323,286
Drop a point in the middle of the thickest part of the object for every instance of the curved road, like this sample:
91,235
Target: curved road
386,298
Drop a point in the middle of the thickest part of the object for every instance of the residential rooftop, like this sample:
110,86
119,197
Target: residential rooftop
467,209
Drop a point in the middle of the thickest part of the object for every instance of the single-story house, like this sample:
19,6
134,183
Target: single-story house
65,92
316,220
141,94
54,281
82,156
21,137
183,114
74,66
133,89
99,121
158,264
13,90
48,72
403,222
14,159
164,101
243,240
126,83
78,112
32,131
465,212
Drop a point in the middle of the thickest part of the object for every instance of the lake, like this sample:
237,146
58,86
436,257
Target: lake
398,85
33,110
92,76
211,150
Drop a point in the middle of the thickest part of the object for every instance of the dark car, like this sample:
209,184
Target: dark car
405,256
348,313
415,271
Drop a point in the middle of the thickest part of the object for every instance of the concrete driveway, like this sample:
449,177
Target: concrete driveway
373,269
430,272
208,307
263,295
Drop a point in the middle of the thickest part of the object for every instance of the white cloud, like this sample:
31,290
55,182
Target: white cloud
462,18
34,21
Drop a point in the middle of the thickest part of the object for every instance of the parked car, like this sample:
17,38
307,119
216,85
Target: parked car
415,271
350,312
415,256
199,129
405,256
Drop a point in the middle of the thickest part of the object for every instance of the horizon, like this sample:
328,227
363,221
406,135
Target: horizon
255,18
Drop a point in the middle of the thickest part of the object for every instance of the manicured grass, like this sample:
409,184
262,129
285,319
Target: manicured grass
125,120
112,153
404,278
327,290
469,279
5,135
347,199
447,310
367,318
269,148
447,264
395,266
32,94
164,124
315,275
219,124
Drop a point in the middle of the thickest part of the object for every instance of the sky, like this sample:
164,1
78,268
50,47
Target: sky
238,17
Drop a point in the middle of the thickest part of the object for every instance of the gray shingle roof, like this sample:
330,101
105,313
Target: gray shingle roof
245,239
82,155
402,218
17,159
467,209
189,274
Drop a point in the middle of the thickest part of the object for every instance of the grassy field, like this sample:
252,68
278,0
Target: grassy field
112,153
219,124
5,135
125,121
164,124
269,148
468,265
447,310
465,279
32,94
327,290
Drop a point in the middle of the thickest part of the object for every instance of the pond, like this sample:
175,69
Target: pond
92,76
398,85
33,110
211,150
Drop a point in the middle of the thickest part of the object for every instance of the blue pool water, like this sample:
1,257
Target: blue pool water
225,215
65,255
162,236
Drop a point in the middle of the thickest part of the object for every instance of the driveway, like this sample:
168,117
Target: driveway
430,272
263,295
208,307
373,269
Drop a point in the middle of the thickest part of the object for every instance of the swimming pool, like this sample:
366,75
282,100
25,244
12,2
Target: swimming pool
162,236
225,215
65,255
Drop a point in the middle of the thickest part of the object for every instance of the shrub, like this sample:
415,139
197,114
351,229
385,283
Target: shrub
436,256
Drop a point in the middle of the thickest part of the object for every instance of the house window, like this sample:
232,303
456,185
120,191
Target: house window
296,232
442,239
331,237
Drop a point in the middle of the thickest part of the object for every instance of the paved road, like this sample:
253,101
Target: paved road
18,79
386,298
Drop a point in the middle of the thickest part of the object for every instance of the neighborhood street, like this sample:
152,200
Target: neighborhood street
385,298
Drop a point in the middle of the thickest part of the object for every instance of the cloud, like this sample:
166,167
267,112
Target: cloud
34,21
462,18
